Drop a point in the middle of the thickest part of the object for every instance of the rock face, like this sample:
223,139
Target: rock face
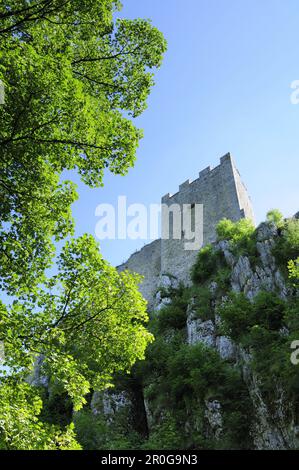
206,332
273,424
199,331
275,428
165,283
225,347
265,276
118,406
110,403
272,429
213,416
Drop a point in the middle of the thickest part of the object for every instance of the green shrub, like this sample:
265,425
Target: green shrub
239,315
208,259
202,302
91,430
257,326
293,267
222,279
174,314
269,310
165,436
242,237
234,231
274,215
190,375
287,245
94,433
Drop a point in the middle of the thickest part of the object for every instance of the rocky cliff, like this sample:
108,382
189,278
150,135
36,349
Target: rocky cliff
219,373
274,424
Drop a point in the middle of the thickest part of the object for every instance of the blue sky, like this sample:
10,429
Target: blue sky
224,87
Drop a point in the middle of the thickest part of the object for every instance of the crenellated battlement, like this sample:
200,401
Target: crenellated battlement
184,185
207,172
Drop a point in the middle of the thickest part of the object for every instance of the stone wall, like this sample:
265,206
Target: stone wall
222,194
146,262
243,196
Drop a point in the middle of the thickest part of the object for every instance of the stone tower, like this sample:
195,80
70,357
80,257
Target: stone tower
222,195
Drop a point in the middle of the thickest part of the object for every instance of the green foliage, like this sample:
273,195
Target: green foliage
293,267
202,302
88,326
174,315
206,264
20,428
258,326
287,245
222,279
275,216
164,436
270,310
93,432
74,78
178,389
237,315
240,315
210,262
57,405
241,235
234,231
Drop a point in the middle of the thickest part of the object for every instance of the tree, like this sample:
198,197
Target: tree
20,428
74,78
87,321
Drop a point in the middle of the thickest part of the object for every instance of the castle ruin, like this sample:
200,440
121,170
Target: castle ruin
222,195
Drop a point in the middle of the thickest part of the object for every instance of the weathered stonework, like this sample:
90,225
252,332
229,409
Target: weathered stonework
146,262
109,403
222,194
213,416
